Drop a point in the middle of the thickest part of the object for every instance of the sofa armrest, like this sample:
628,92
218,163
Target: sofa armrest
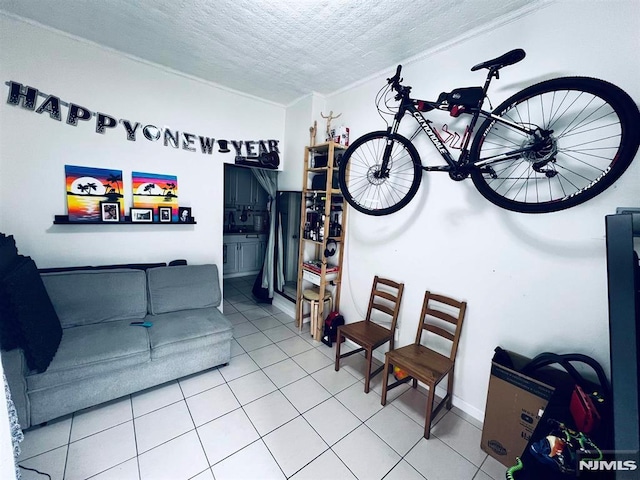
15,369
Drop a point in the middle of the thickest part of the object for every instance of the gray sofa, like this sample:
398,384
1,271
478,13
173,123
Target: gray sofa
102,356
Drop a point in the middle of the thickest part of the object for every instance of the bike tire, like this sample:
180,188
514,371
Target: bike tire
360,164
595,138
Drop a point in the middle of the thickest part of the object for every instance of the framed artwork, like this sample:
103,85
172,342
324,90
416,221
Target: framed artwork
185,215
87,188
153,190
164,214
141,215
110,211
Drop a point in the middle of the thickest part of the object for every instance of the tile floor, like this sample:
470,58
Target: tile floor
278,410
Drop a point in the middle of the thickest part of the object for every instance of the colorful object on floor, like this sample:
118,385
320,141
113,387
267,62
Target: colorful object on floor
563,448
516,468
399,373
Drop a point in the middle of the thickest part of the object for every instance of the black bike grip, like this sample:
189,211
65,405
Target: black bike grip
396,77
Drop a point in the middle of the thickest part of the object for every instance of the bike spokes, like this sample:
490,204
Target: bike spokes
576,141
376,186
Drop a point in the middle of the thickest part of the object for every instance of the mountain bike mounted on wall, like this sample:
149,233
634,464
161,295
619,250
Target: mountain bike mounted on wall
551,146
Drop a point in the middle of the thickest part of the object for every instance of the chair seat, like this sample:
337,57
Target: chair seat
366,334
420,362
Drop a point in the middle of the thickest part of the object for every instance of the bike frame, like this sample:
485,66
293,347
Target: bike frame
457,168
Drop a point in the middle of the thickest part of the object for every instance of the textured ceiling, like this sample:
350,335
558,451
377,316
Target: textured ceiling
278,50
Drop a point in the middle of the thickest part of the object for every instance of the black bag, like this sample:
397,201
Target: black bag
468,97
331,324
320,161
319,181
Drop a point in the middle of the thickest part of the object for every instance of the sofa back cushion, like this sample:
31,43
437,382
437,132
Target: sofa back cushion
94,296
183,287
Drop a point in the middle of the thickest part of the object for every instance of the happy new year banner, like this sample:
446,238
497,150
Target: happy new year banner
259,153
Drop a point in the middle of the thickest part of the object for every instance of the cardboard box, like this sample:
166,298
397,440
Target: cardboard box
515,404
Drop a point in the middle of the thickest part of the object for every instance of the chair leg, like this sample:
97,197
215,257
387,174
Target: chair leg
339,338
315,310
385,381
427,423
449,391
367,379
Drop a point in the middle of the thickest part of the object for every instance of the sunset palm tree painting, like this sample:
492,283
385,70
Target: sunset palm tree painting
88,186
153,190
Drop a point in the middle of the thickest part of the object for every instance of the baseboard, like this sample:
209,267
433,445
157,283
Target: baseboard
284,304
241,274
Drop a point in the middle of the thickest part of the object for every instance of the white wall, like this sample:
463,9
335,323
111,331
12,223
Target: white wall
34,148
300,116
533,283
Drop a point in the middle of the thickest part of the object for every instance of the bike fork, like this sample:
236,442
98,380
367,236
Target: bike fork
386,156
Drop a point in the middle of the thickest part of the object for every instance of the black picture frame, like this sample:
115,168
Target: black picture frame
165,214
141,215
109,212
184,215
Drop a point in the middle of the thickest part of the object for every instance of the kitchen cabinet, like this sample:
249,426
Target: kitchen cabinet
229,186
229,258
243,254
245,187
241,188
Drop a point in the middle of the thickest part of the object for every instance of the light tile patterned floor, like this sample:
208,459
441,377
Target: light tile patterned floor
277,411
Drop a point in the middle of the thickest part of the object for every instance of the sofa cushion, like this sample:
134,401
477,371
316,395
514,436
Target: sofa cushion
94,296
91,350
29,306
187,331
183,287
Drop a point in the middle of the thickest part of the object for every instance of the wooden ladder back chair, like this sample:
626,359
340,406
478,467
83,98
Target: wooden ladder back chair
385,298
443,317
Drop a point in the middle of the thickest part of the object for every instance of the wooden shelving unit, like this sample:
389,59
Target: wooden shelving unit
323,219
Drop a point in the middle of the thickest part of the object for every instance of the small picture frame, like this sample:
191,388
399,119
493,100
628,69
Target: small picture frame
164,214
184,215
110,211
141,215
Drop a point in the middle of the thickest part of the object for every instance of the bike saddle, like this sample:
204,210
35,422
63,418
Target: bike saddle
509,58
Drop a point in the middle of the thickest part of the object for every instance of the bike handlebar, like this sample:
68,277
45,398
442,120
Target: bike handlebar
395,80
395,84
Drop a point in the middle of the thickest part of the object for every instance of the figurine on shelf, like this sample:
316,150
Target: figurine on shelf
329,118
312,133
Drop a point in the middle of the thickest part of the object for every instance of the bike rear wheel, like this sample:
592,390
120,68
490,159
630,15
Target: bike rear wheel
586,137
370,190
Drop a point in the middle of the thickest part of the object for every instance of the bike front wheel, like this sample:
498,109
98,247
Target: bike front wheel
585,135
372,189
